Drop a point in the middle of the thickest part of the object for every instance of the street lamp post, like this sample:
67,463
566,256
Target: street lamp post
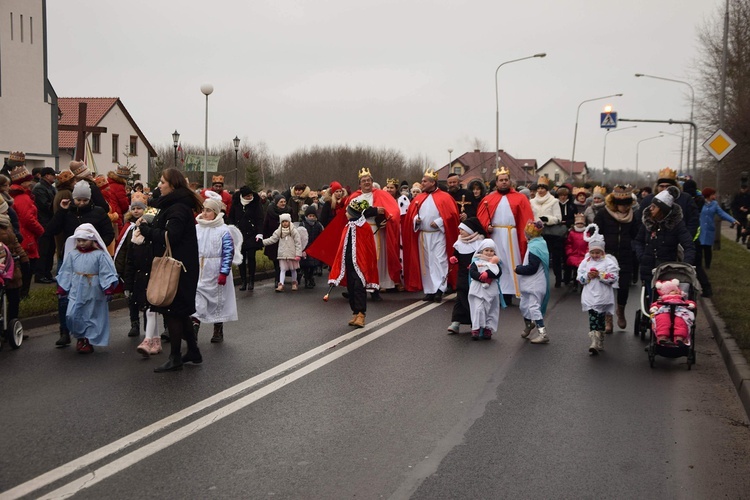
637,151
236,142
575,131
604,153
207,89
497,105
692,105
175,143
682,144
450,160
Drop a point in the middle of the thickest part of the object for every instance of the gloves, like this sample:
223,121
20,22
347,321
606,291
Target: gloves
222,279
297,258
453,259
543,218
484,277
60,292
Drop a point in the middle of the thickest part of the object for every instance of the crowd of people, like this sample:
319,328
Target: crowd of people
491,244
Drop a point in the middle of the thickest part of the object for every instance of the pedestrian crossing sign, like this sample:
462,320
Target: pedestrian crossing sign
608,119
719,145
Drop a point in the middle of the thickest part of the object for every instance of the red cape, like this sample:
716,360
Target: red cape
365,257
448,210
520,207
325,246
226,198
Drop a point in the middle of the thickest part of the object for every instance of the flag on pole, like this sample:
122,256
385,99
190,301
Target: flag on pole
181,154
88,158
246,154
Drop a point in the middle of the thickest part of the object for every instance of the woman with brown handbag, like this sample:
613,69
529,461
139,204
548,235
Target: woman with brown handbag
177,207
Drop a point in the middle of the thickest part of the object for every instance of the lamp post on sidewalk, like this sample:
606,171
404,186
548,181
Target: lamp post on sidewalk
497,105
604,153
175,143
575,131
236,142
207,89
637,151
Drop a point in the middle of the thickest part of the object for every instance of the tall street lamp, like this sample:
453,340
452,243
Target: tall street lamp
682,144
450,160
497,106
207,89
236,142
692,105
175,143
604,154
575,131
637,151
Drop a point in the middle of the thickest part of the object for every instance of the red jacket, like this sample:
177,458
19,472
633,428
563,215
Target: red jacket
118,193
575,248
31,230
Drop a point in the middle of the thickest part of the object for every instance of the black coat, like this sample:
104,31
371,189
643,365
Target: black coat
656,242
270,224
618,238
138,269
248,219
44,196
176,218
690,212
568,211
66,221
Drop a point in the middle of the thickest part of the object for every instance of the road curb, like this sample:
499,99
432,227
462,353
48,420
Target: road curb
737,365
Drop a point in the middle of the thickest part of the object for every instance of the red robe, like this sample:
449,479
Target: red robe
325,246
448,210
226,198
520,207
364,256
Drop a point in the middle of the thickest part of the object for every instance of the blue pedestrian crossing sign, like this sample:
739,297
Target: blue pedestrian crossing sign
608,119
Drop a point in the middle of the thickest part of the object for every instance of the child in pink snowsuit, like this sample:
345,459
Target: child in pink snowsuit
661,316
575,247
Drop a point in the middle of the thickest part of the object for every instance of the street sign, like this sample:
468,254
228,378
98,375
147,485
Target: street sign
719,145
608,119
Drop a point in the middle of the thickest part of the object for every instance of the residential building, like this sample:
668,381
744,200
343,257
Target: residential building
559,171
479,165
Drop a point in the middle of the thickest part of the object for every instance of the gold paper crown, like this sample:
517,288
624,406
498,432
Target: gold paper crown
432,174
668,173
580,217
543,181
392,180
365,172
600,190
217,179
17,156
534,229
502,170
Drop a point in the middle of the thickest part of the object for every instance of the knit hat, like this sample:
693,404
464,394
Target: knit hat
707,192
213,202
20,174
3,206
79,169
277,198
245,190
669,287
64,177
123,171
665,199
486,243
471,226
285,217
138,200
595,240
690,187
534,228
310,210
335,186
82,190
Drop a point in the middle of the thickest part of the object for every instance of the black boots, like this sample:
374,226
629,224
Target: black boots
196,328
64,339
218,333
193,356
172,365
243,286
135,328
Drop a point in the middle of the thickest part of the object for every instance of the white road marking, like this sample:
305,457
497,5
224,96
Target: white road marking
115,447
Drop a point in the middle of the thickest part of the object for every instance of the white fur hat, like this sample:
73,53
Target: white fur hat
595,240
285,217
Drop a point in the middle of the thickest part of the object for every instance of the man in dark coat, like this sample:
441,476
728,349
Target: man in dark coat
246,214
740,208
462,196
44,195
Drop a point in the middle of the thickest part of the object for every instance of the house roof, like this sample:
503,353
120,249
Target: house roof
475,161
578,166
97,109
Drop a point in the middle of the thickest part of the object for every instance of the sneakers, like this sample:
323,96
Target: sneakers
475,335
155,346
454,327
79,344
542,337
144,348
527,329
280,287
86,348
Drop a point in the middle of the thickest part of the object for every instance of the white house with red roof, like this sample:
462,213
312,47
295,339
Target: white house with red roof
28,103
478,165
559,170
122,143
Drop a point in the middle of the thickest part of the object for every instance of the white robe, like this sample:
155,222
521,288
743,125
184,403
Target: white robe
214,303
599,294
484,300
381,249
505,236
533,292
433,259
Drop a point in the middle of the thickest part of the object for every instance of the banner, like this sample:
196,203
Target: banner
194,163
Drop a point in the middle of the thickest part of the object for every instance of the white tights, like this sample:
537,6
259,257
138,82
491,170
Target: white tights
151,324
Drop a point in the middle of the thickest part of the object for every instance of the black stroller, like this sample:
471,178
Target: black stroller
686,275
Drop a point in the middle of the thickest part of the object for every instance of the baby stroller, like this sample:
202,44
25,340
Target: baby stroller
12,329
689,284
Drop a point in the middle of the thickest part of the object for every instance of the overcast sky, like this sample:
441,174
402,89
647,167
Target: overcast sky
413,75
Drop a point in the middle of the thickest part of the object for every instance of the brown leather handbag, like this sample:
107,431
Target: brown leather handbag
164,278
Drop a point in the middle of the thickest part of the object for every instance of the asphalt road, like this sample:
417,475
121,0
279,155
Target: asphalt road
296,404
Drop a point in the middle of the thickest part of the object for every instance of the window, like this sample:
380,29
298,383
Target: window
96,140
115,147
557,177
457,169
133,150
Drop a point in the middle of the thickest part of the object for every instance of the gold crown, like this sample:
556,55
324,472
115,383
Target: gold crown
502,170
543,181
600,190
217,179
432,174
668,173
365,172
580,217
17,156
391,180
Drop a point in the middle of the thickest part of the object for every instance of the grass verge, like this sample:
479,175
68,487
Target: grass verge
728,275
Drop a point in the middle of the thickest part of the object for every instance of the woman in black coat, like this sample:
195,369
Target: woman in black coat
270,224
246,214
660,234
177,206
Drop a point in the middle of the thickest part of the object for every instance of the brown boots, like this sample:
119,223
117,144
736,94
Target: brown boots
608,324
218,336
358,320
621,322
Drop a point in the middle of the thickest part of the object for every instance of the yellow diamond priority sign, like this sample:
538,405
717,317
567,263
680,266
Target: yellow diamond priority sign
719,145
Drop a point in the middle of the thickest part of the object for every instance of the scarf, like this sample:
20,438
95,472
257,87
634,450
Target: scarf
622,218
285,231
218,221
4,220
579,229
245,202
468,244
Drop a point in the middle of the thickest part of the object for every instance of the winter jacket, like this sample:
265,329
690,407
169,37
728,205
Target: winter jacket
690,213
176,218
290,246
67,220
546,206
248,219
741,200
576,248
137,269
270,224
708,226
44,196
118,193
8,237
657,241
567,212
618,236
313,231
31,230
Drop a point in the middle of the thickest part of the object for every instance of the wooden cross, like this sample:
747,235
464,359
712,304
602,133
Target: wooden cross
463,202
82,130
